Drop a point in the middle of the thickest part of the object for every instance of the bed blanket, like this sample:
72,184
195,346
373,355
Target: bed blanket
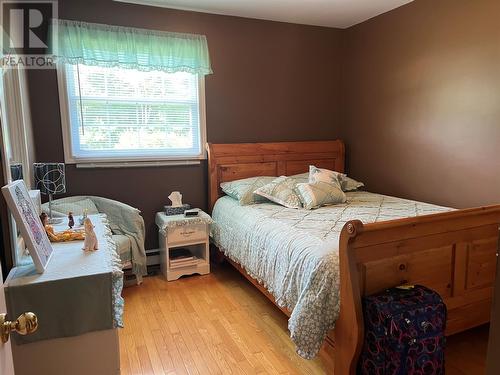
294,253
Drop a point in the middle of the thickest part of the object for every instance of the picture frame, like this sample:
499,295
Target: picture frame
27,219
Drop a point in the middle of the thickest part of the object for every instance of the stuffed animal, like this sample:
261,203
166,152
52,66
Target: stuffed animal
90,243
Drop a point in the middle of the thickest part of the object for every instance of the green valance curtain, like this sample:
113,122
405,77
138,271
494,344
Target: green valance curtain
131,48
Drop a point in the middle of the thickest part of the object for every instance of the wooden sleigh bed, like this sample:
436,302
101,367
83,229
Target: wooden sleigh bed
453,253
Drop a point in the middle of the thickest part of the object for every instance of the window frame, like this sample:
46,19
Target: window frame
123,161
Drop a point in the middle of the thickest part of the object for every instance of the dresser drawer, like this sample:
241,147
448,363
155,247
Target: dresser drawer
187,233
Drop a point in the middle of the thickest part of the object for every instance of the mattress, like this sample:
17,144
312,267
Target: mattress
294,253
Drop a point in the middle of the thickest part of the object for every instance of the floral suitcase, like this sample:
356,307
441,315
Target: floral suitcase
404,332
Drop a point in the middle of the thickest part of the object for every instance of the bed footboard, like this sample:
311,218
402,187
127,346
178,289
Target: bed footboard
453,253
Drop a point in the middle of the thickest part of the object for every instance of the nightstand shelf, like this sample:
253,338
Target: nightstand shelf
180,232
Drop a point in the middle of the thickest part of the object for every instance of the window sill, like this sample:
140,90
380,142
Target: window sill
136,164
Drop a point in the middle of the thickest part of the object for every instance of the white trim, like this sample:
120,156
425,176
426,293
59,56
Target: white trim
120,161
17,137
28,150
202,116
5,151
18,119
134,164
64,110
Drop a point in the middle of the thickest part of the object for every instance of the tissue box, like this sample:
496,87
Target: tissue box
169,210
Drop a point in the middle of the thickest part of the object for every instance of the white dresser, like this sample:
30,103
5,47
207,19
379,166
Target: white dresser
75,300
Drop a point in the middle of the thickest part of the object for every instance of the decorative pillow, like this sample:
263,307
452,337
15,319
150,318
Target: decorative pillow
301,178
77,207
281,191
243,190
350,184
324,175
319,194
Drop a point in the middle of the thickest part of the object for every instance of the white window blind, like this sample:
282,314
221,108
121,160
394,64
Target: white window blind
125,114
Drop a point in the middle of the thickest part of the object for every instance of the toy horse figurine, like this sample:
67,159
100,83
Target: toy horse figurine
90,243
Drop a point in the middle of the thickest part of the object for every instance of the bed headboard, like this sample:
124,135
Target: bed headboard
233,161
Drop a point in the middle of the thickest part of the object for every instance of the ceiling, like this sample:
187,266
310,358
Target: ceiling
330,13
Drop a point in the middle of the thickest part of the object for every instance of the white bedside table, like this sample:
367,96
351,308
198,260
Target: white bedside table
191,233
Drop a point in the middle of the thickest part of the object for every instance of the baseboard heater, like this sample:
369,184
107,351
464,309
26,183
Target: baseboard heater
152,257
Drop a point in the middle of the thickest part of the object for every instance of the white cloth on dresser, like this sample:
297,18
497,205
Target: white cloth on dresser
78,292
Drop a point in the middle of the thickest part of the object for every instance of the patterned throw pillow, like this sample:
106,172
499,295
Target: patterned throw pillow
350,184
243,190
332,177
324,175
320,194
281,191
302,177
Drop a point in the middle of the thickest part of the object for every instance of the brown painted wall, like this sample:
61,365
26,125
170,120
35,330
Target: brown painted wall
421,101
417,99
272,82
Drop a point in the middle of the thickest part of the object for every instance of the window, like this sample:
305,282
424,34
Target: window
115,114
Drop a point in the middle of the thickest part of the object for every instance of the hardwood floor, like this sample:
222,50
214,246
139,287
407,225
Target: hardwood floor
220,324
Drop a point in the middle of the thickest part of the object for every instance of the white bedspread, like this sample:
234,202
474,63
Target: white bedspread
294,253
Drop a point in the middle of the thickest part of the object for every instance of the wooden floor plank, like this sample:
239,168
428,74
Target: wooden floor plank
165,356
221,324
144,360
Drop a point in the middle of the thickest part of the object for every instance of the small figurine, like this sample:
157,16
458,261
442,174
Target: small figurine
90,243
71,221
83,217
176,199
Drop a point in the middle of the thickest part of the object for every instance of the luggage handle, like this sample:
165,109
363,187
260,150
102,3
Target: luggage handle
404,285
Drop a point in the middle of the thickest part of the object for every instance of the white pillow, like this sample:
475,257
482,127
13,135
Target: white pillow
320,194
281,191
243,190
339,179
301,178
350,184
324,175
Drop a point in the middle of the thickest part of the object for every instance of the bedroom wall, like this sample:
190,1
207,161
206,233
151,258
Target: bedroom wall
421,101
272,81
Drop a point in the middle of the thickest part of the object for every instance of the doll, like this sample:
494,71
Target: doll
71,220
67,235
90,243
49,229
44,218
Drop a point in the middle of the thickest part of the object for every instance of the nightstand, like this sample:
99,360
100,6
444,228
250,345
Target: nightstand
184,244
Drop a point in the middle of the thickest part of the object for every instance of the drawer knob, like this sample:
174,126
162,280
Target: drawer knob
402,267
